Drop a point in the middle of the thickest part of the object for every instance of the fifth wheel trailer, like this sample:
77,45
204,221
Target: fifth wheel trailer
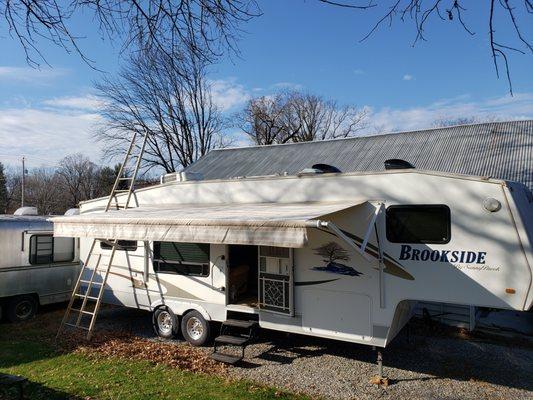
336,255
35,267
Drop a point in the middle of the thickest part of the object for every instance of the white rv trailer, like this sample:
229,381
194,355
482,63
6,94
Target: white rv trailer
334,255
35,267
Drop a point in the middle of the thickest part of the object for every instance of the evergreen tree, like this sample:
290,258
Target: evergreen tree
3,190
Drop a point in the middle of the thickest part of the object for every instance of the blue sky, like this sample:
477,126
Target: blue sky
48,113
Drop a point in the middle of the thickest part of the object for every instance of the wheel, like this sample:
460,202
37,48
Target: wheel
195,328
21,308
165,323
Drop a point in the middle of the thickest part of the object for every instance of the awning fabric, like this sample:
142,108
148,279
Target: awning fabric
266,224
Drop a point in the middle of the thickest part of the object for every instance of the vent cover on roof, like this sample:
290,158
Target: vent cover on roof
396,163
26,211
326,168
181,176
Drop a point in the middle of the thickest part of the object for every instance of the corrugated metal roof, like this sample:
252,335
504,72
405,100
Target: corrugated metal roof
501,150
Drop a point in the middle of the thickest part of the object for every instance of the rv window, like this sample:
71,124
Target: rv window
45,249
181,258
126,245
63,249
418,224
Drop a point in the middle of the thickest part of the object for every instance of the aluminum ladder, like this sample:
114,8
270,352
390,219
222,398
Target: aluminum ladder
84,317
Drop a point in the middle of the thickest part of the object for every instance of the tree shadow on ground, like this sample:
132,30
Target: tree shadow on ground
38,391
434,351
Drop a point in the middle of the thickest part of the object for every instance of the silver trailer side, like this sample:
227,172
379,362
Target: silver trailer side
35,268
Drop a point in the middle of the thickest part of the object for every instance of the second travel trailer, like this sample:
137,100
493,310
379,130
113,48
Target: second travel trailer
35,267
336,255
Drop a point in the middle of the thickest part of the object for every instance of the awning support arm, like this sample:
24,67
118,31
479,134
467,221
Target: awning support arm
380,269
146,261
341,235
370,227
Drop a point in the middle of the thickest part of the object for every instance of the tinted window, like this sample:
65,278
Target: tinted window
126,245
181,258
418,224
45,249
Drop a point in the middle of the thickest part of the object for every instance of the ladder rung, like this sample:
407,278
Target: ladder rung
91,283
77,326
125,178
121,191
84,296
81,311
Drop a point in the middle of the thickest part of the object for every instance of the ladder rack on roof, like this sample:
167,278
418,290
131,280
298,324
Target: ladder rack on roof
84,317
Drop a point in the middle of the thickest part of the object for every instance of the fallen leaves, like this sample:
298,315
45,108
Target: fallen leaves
125,345
379,380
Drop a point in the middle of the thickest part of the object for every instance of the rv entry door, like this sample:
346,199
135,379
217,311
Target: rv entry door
276,280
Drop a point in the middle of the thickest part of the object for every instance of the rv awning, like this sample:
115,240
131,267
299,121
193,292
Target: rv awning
267,224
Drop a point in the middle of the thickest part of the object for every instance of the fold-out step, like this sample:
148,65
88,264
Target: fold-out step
235,340
226,358
240,323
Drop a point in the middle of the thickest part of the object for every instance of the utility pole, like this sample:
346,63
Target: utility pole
23,179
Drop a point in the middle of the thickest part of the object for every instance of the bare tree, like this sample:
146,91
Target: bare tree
502,16
13,179
298,117
321,119
452,121
169,100
268,120
206,27
45,190
78,177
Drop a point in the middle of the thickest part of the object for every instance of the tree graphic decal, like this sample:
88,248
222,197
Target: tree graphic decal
332,252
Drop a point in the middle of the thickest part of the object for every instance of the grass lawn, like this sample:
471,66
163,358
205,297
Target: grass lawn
55,374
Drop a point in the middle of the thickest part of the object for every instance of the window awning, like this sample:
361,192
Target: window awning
266,224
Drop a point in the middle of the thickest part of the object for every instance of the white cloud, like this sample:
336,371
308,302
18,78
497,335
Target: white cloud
228,94
358,72
87,102
39,76
46,136
389,119
287,85
407,77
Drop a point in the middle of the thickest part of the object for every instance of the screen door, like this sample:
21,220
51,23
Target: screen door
276,279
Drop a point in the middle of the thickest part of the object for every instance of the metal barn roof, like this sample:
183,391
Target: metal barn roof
501,150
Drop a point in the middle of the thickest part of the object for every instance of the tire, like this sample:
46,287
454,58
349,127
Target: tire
165,323
21,308
195,329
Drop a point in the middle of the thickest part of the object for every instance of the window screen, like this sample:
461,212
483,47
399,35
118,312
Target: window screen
45,249
126,245
418,224
181,258
278,252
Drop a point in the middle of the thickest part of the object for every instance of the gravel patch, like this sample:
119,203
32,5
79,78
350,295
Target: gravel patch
432,364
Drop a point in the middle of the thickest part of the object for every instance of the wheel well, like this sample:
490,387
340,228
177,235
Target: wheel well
202,312
180,308
188,311
35,296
